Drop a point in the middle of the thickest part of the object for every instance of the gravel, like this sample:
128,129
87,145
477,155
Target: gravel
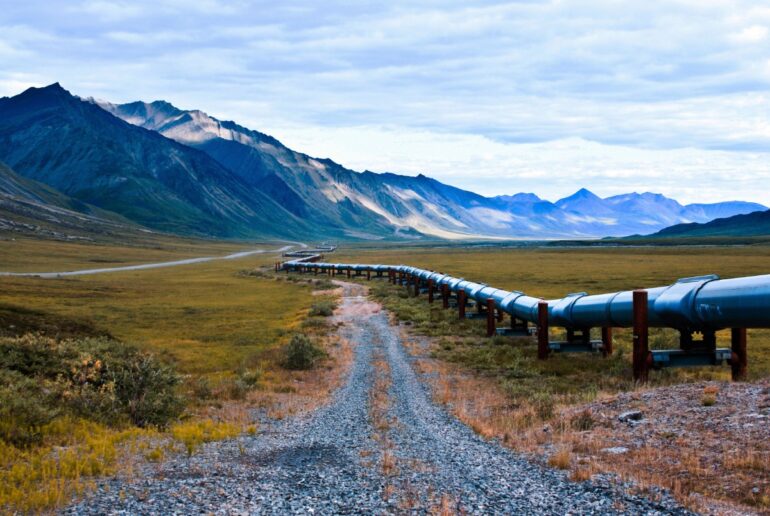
330,462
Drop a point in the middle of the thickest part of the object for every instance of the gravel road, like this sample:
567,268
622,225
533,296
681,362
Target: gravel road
380,446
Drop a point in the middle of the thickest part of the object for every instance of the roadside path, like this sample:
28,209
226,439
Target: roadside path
381,446
143,266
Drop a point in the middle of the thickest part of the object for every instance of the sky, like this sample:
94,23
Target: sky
496,97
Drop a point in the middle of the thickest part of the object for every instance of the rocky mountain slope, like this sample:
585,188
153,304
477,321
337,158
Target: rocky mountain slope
31,208
335,195
189,173
50,136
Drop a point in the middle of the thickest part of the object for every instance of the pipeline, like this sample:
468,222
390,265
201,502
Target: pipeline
690,304
702,304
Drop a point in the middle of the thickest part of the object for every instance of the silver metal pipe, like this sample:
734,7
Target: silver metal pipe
690,304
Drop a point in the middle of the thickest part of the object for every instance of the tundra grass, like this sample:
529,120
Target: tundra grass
205,318
35,255
551,273
211,320
498,387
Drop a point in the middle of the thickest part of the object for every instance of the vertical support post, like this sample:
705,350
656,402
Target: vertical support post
334,272
641,336
315,270
461,304
542,331
368,275
276,266
445,295
740,360
430,291
606,340
348,272
416,282
491,319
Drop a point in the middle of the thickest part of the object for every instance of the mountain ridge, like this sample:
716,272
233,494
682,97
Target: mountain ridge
86,153
745,225
184,171
451,210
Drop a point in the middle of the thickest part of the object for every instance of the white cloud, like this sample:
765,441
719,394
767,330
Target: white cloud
489,96
550,169
753,34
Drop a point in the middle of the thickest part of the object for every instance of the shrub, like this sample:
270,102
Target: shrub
324,284
250,377
322,308
302,353
147,389
25,406
94,378
245,381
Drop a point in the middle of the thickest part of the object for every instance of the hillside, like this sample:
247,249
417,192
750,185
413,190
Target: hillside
188,173
340,197
747,225
52,137
30,208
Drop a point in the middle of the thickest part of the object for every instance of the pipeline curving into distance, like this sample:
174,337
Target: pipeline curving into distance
703,303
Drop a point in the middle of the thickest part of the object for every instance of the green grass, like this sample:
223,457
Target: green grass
224,324
205,317
34,255
552,273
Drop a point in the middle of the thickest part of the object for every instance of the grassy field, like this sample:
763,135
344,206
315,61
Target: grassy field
498,387
33,255
222,326
552,273
204,317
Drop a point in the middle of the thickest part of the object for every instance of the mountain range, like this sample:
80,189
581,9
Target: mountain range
186,172
747,225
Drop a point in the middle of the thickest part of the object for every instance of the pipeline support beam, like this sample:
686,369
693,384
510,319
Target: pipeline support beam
641,350
542,331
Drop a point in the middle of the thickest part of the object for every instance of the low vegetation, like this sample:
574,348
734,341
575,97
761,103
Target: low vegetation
549,408
302,353
66,408
206,342
101,380
323,308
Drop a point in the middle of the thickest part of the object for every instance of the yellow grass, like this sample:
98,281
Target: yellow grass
208,319
74,453
192,434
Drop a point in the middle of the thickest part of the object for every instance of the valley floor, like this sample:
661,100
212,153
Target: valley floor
380,446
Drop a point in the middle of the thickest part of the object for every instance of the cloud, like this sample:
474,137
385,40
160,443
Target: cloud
551,169
675,78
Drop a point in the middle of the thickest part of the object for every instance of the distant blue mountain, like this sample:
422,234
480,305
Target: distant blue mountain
186,172
747,225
